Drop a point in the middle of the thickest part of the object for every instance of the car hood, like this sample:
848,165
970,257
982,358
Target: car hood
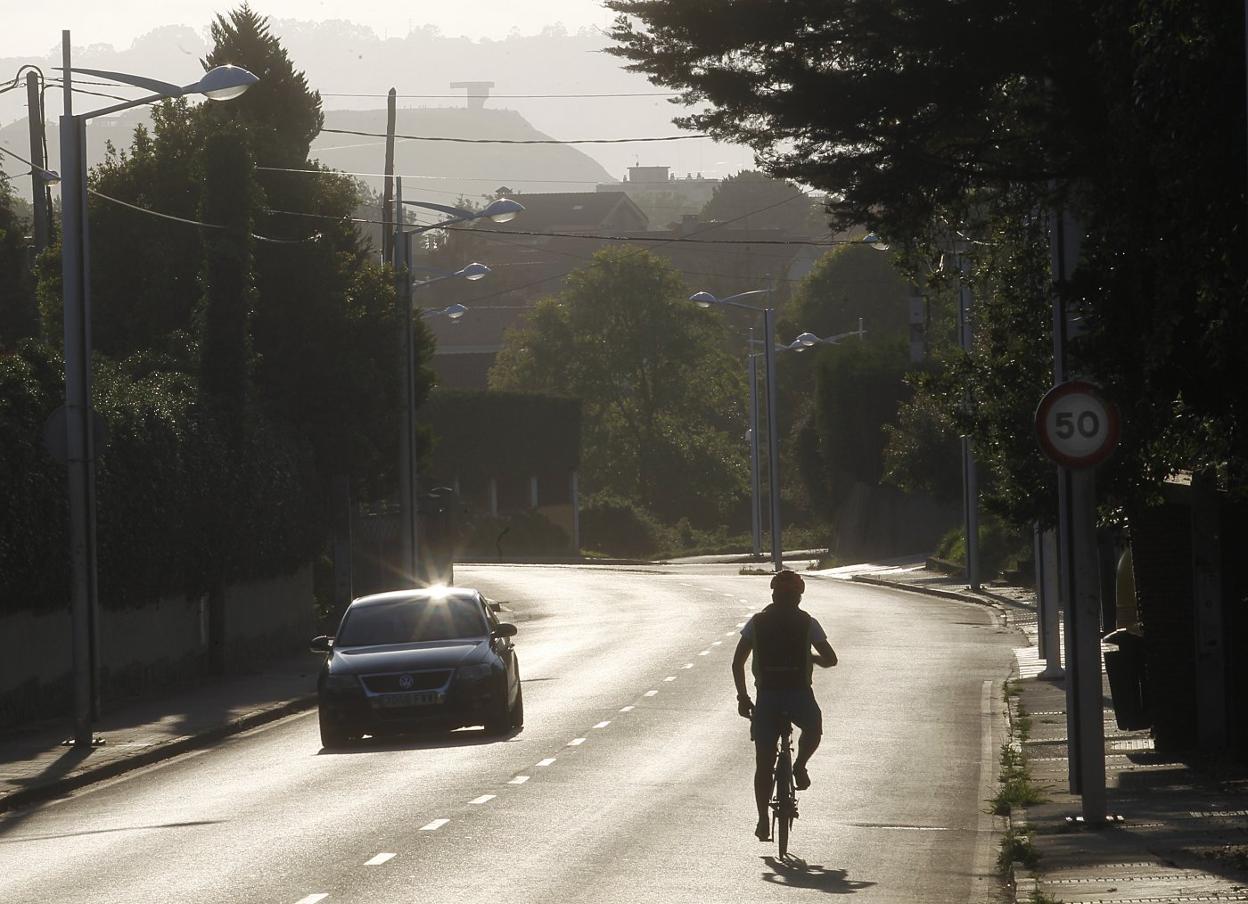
407,657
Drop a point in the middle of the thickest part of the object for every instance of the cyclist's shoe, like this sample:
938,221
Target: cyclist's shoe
801,777
762,831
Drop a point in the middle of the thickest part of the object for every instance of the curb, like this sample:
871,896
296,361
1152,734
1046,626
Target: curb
91,774
981,599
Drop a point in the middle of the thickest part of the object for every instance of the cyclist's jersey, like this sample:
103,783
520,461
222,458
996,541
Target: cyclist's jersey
782,637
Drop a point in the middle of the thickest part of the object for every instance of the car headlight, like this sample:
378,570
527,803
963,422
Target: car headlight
474,672
341,683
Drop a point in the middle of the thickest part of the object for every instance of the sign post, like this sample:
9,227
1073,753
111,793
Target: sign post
1078,429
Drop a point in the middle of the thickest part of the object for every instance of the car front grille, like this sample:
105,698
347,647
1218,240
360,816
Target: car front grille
392,683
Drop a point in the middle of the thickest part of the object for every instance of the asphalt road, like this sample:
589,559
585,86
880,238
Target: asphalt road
630,782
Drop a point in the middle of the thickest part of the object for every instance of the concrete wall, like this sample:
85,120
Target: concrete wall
142,650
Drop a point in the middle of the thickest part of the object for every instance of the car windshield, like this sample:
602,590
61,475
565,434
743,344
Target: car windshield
413,621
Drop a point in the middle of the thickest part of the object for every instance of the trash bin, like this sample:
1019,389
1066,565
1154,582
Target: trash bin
1125,668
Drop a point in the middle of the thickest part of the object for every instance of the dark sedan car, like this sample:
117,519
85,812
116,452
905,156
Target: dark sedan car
408,660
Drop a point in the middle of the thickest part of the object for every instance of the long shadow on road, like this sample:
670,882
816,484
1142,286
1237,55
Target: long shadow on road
794,872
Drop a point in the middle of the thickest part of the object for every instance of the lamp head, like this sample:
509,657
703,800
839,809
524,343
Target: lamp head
876,242
473,271
455,311
703,299
502,210
806,340
224,82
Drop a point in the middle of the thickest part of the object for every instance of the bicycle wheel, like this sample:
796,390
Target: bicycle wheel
784,802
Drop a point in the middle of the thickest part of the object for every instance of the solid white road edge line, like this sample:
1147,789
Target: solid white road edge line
380,859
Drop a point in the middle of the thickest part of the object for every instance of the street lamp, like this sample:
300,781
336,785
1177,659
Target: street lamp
220,83
706,300
500,210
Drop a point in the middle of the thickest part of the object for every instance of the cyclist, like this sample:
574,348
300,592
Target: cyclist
780,638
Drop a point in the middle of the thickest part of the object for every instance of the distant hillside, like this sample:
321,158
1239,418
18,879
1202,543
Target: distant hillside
442,171
433,170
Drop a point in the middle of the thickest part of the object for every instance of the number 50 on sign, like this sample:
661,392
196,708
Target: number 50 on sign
1077,427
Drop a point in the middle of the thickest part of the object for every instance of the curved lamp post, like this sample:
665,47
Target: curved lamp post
500,211
220,83
706,300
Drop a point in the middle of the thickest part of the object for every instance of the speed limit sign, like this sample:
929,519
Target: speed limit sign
1077,427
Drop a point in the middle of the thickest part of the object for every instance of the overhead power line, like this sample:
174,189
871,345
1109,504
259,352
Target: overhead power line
493,96
200,223
515,140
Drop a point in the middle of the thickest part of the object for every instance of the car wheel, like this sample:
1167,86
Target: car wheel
333,735
517,711
499,722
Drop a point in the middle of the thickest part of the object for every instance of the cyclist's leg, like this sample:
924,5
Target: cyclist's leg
766,731
807,717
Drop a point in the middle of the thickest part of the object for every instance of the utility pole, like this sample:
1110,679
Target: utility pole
756,515
970,482
407,539
38,179
387,230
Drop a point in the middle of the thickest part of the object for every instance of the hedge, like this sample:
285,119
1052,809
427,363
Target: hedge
179,508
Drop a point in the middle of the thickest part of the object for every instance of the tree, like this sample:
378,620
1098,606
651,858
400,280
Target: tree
931,128
661,397
17,306
754,200
225,169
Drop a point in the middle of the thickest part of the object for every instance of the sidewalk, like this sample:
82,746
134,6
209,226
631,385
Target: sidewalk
35,766
1183,833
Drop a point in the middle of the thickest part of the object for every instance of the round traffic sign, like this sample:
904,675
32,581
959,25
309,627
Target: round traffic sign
1077,427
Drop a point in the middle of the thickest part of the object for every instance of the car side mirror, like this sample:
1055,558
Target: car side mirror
322,644
504,630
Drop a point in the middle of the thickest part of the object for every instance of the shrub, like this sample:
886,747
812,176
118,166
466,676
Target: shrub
620,528
1001,546
519,534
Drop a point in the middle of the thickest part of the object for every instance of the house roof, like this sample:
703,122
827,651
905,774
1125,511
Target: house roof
570,211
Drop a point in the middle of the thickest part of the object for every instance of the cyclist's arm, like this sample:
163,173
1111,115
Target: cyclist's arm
826,656
744,646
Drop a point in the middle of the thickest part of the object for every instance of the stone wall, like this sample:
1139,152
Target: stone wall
144,650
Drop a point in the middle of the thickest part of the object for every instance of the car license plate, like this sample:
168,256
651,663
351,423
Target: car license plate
389,701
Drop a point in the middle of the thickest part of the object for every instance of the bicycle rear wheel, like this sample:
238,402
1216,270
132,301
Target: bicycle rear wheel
784,803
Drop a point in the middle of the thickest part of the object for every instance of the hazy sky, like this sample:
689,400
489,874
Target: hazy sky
118,22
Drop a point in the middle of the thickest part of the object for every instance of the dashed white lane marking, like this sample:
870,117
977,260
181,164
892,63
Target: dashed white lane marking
649,693
576,742
740,624
670,678
380,859
729,633
434,826
603,724
312,899
716,643
483,799
704,652
745,601
687,665
518,780
729,595
546,762
627,709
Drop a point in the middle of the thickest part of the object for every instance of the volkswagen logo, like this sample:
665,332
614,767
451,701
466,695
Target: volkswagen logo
406,682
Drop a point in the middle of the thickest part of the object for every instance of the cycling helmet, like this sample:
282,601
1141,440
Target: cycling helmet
788,581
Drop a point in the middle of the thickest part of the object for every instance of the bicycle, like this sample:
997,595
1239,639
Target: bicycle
784,797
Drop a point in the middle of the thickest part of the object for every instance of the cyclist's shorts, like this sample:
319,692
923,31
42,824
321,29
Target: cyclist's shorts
798,702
